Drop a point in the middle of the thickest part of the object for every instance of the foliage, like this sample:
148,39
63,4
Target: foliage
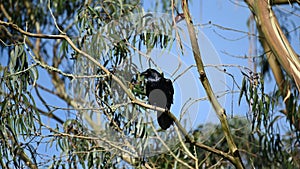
92,127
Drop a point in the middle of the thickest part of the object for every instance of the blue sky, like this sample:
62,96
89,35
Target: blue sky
213,42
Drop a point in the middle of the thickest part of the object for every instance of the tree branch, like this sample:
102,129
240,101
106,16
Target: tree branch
205,82
285,1
278,50
270,30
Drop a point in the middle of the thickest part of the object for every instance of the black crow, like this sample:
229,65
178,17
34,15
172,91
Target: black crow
159,91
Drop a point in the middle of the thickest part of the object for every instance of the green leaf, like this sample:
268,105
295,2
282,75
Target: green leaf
255,99
243,90
274,120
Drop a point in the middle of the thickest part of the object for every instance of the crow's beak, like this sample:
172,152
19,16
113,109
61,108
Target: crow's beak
144,73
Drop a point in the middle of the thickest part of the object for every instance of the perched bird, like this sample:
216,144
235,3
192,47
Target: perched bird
159,91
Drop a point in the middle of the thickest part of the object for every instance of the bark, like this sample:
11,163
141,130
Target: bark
271,32
279,52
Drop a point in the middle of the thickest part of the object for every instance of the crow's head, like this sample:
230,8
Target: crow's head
152,75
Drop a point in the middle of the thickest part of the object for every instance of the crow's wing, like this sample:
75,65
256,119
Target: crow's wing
169,91
164,120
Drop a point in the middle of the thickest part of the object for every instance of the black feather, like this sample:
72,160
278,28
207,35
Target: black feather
159,91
